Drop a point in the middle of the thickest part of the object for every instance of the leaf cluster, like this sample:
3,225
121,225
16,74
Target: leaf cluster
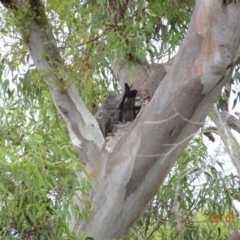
90,34
39,168
195,192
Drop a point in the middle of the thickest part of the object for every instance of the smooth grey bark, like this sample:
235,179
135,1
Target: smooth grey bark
231,144
235,236
223,121
231,121
126,178
83,129
144,156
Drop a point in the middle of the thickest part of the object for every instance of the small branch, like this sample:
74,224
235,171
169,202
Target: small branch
231,121
209,133
223,121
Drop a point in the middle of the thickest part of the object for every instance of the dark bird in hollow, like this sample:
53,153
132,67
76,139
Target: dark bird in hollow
105,113
126,109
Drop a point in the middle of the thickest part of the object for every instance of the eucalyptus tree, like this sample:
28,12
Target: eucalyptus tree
81,48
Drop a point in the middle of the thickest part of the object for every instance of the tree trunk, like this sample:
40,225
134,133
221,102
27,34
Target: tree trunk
126,178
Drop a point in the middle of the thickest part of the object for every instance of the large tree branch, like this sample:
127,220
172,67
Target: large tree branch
141,76
83,129
82,126
144,156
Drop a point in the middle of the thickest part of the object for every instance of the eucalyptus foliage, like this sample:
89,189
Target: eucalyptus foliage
197,195
38,165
